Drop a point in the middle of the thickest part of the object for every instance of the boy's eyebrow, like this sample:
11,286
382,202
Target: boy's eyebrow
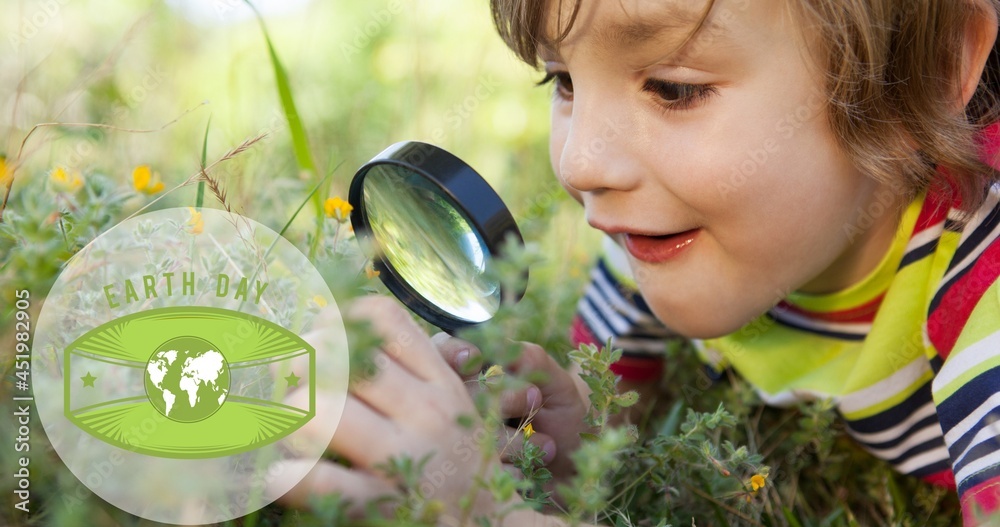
619,35
632,33
688,24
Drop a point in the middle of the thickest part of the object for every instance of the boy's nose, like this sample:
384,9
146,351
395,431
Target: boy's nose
596,154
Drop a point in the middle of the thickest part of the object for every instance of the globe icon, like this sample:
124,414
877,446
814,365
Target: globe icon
187,379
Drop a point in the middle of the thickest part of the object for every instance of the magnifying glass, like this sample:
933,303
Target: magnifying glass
433,228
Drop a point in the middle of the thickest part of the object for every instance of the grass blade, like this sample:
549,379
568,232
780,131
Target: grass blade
790,517
313,192
200,199
300,143
673,420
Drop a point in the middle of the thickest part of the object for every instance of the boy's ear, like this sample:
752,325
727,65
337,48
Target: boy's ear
980,36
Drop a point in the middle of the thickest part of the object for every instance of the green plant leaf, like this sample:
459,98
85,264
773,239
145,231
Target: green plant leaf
627,399
200,198
300,142
673,420
790,517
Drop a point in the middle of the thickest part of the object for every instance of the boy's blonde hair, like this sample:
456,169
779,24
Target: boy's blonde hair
893,70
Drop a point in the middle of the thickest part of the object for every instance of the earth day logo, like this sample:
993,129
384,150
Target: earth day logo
177,362
187,379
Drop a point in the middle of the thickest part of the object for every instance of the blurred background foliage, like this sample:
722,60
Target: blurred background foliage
364,75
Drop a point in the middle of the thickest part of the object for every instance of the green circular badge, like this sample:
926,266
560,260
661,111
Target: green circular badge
177,362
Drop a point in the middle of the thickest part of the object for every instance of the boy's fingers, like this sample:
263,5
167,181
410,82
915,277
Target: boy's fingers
402,338
461,356
366,437
510,443
557,387
520,403
393,391
363,435
326,478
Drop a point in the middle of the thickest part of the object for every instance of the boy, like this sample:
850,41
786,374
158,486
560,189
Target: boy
803,184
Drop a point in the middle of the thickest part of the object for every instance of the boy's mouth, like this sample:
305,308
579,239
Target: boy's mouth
655,249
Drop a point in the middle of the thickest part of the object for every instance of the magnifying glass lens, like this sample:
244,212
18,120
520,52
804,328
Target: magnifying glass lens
431,244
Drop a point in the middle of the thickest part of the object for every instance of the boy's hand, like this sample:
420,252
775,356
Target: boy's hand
558,420
410,407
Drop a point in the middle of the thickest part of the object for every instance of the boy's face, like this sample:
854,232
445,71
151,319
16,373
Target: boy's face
715,167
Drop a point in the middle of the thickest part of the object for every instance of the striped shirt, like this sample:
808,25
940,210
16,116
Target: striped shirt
910,355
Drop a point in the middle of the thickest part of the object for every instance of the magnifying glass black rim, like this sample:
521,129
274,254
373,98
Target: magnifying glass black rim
469,193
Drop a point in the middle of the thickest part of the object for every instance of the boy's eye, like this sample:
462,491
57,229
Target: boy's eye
563,82
672,95
677,96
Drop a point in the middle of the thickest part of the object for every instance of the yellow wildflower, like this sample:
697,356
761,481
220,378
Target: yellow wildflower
493,371
319,301
528,431
5,172
146,181
370,271
195,225
336,207
757,482
66,181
